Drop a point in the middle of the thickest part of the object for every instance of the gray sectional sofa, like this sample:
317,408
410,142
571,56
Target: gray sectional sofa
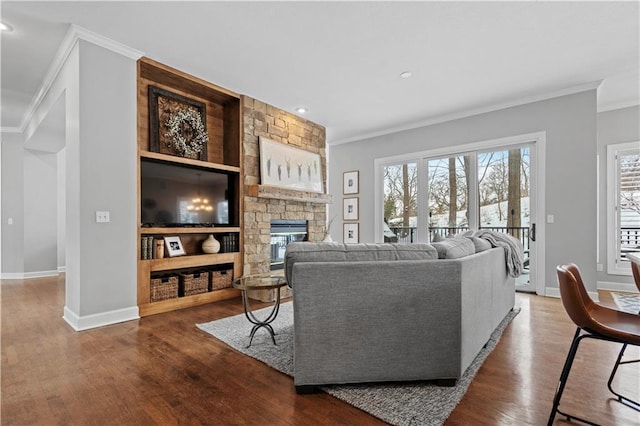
389,312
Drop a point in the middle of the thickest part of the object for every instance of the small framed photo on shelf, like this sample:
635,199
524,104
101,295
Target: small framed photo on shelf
350,208
350,184
174,246
351,233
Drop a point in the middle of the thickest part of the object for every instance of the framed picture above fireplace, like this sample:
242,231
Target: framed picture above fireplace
284,166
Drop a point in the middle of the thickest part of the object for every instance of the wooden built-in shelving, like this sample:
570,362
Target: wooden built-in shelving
181,262
224,154
198,230
188,161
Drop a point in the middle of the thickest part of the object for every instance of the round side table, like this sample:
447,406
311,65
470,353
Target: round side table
260,282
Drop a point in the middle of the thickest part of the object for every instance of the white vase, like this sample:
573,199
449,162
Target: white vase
211,245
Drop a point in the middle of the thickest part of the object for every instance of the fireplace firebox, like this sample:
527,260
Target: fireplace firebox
284,232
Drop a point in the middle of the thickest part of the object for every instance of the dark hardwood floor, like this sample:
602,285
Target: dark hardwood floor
163,370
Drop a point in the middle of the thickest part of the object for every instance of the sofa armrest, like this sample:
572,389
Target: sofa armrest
347,312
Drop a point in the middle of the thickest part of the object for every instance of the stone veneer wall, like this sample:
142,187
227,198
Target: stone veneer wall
265,120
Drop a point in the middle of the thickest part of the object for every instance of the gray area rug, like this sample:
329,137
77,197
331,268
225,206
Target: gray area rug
418,403
628,302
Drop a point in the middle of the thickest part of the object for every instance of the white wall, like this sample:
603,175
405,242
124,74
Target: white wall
105,180
99,96
61,208
40,213
617,126
570,126
12,205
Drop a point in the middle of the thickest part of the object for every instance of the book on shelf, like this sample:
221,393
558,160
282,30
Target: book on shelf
150,248
230,243
146,248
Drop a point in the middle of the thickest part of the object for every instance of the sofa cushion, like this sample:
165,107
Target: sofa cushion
481,244
372,252
454,248
337,252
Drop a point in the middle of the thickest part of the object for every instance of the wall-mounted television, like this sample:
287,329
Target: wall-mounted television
179,195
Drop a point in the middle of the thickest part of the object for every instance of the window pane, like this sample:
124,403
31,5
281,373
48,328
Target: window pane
503,191
400,203
629,202
448,195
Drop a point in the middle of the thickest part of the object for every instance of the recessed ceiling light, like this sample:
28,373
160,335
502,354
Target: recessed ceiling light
5,27
405,74
301,110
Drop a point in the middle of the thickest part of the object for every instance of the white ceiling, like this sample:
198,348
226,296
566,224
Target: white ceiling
342,60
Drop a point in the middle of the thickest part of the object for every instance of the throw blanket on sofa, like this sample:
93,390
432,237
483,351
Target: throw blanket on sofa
514,253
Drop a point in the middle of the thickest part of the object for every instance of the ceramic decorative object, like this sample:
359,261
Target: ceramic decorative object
159,249
211,245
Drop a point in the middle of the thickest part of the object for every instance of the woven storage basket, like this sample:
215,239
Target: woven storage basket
195,283
164,288
221,279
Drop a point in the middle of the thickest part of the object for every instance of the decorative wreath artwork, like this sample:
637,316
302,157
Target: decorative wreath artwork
178,125
186,133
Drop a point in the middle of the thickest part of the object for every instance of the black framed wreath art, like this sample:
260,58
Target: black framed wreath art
178,125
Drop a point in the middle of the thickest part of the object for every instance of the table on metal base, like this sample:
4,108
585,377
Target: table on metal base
260,282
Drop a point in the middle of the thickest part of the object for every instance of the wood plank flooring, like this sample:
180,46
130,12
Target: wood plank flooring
163,370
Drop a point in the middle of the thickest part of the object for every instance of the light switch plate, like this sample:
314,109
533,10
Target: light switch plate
102,217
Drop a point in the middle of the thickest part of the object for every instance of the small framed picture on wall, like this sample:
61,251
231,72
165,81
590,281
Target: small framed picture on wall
173,246
350,182
351,233
350,209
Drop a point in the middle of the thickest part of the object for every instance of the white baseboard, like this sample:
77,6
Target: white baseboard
99,320
555,292
27,275
62,269
40,274
611,286
12,276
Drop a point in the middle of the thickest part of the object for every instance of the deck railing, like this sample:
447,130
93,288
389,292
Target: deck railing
630,237
409,234
629,241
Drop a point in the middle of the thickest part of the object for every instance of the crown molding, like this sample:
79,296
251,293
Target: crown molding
471,112
74,34
618,105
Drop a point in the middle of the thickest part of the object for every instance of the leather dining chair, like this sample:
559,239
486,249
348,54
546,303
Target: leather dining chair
635,269
592,321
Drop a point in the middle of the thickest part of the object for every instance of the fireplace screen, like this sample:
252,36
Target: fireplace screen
282,233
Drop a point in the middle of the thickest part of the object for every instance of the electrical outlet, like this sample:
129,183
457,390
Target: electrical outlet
10,221
102,217
550,218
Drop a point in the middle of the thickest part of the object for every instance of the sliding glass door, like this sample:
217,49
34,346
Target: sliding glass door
504,199
448,181
400,203
437,197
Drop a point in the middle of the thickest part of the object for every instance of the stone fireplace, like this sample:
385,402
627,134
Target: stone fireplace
263,204
284,232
